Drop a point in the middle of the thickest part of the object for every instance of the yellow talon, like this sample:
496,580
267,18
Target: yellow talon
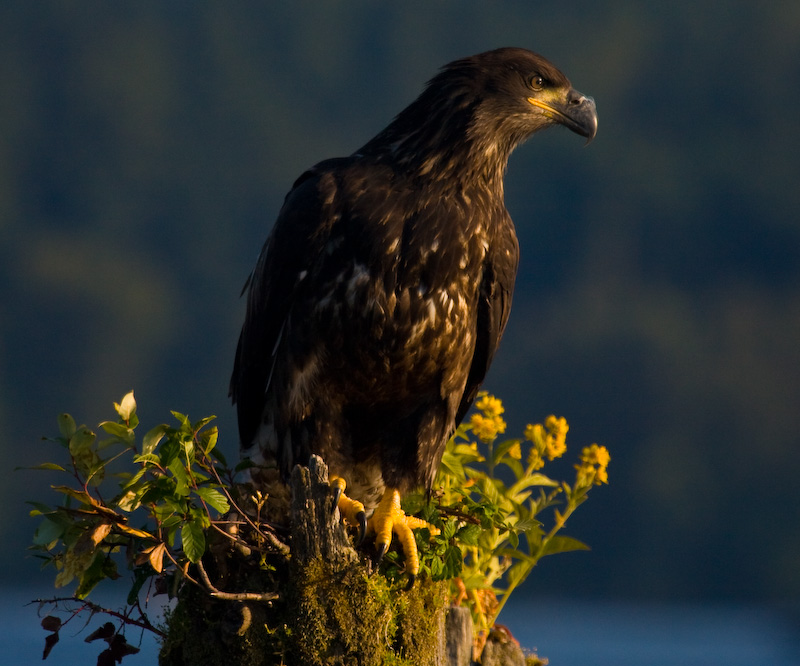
388,518
351,510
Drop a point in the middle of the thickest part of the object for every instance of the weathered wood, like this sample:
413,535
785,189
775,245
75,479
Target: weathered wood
502,653
458,632
316,528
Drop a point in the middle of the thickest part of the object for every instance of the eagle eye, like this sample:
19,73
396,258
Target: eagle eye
536,82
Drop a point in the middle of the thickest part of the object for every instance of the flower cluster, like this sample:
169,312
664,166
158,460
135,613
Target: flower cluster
548,440
593,466
498,527
487,423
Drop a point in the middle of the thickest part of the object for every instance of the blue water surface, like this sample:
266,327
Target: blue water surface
568,633
572,633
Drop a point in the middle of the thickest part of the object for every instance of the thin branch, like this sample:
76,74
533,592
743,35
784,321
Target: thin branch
144,623
459,514
270,537
233,596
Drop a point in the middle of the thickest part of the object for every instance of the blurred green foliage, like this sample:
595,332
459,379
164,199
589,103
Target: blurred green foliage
168,483
145,149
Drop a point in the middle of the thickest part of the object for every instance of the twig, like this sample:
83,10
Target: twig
269,536
274,541
233,596
144,623
459,514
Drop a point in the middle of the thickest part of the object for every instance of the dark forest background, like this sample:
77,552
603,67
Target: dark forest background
145,149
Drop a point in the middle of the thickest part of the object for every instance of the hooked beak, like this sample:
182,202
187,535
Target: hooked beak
577,113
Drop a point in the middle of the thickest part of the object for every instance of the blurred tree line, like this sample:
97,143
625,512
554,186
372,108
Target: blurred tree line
145,149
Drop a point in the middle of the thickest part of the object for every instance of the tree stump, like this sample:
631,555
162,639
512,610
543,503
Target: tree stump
332,608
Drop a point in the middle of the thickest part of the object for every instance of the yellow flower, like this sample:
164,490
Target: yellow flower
489,405
483,428
556,439
534,433
535,459
593,466
515,451
487,428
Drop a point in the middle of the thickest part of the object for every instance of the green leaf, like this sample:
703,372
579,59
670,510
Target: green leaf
169,451
437,567
81,495
183,420
527,524
200,516
489,490
194,541
153,437
128,502
453,562
181,477
221,458
452,465
518,573
66,424
214,498
151,458
170,529
160,490
468,535
413,502
537,479
39,508
48,532
50,466
118,430
202,423
563,544
95,470
127,408
208,439
81,441
449,529
502,448
187,446
101,567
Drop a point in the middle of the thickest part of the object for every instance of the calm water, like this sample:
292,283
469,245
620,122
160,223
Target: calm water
619,634
567,633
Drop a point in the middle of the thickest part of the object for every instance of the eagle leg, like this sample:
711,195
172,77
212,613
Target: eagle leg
389,517
352,510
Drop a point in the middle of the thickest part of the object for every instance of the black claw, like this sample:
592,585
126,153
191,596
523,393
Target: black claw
337,493
411,579
361,517
382,548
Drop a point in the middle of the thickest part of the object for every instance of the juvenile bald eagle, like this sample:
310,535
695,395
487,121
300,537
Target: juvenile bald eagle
382,292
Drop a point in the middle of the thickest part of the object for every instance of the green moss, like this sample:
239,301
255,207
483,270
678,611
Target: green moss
201,630
420,616
345,616
333,614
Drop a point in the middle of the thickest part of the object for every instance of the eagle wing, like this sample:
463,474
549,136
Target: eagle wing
292,246
494,306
